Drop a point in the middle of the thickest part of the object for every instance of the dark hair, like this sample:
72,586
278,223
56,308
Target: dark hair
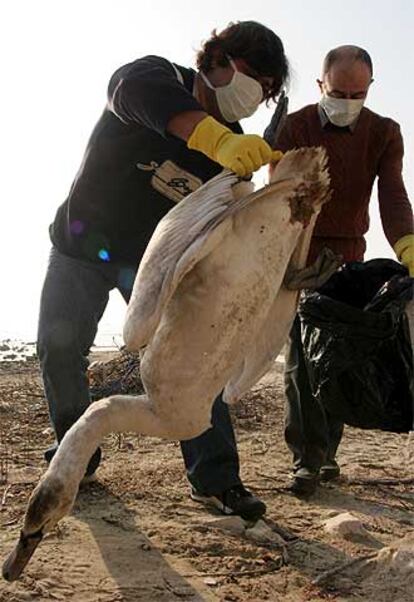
260,47
355,53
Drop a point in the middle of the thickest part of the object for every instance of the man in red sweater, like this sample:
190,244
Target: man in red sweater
361,145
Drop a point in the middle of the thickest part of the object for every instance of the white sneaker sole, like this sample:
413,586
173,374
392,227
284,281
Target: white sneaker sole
212,501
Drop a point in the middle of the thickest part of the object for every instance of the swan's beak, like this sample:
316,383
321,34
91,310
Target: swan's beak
15,563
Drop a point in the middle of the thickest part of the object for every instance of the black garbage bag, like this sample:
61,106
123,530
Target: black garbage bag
357,345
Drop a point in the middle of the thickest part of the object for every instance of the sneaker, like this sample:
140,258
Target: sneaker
304,482
237,501
330,471
93,462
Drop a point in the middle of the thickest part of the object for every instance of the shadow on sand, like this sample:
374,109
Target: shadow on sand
138,569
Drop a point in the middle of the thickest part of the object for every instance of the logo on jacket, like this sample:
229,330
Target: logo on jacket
170,180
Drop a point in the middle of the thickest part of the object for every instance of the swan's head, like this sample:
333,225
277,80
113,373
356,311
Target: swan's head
49,502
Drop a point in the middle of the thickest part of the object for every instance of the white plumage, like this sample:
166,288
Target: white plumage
208,311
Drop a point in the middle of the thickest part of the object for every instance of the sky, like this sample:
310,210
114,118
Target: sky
57,57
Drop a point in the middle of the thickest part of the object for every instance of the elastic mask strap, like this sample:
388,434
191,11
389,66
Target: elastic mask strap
205,80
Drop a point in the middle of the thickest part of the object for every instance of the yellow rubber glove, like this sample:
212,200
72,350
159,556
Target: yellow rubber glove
242,153
404,249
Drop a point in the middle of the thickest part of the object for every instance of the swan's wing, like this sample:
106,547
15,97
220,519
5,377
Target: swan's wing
191,230
177,244
182,238
270,338
265,346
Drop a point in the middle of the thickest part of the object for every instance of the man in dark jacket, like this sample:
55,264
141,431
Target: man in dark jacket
165,131
361,146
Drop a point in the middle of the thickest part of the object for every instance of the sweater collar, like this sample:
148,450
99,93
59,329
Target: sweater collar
325,121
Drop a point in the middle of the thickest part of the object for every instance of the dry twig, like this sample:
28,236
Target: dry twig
247,573
407,481
345,565
4,496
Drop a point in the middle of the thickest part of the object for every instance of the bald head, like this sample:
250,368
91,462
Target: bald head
346,73
347,55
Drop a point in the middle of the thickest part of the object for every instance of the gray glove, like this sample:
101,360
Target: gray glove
314,275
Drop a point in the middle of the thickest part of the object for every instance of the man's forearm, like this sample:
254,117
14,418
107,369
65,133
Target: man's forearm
183,124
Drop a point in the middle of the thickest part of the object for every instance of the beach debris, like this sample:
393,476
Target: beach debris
344,524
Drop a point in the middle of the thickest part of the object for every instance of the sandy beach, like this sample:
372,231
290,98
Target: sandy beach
135,534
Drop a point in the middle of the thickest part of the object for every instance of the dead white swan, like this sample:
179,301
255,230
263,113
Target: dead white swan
208,311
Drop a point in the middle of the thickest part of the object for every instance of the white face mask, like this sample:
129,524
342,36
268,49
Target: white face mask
239,98
341,111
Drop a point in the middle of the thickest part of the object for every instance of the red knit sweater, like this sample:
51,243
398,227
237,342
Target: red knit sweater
373,148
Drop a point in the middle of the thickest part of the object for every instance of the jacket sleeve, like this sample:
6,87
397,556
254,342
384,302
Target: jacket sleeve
149,93
395,208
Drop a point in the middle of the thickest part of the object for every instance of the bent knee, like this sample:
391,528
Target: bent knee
59,348
57,341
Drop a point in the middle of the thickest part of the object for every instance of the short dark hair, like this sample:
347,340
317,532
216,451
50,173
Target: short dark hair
259,46
350,52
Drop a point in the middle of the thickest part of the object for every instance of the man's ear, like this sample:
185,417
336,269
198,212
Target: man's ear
320,84
369,85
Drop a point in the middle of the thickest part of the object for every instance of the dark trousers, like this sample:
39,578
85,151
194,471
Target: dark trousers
74,298
311,434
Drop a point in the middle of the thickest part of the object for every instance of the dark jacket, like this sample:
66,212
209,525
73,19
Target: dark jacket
133,171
